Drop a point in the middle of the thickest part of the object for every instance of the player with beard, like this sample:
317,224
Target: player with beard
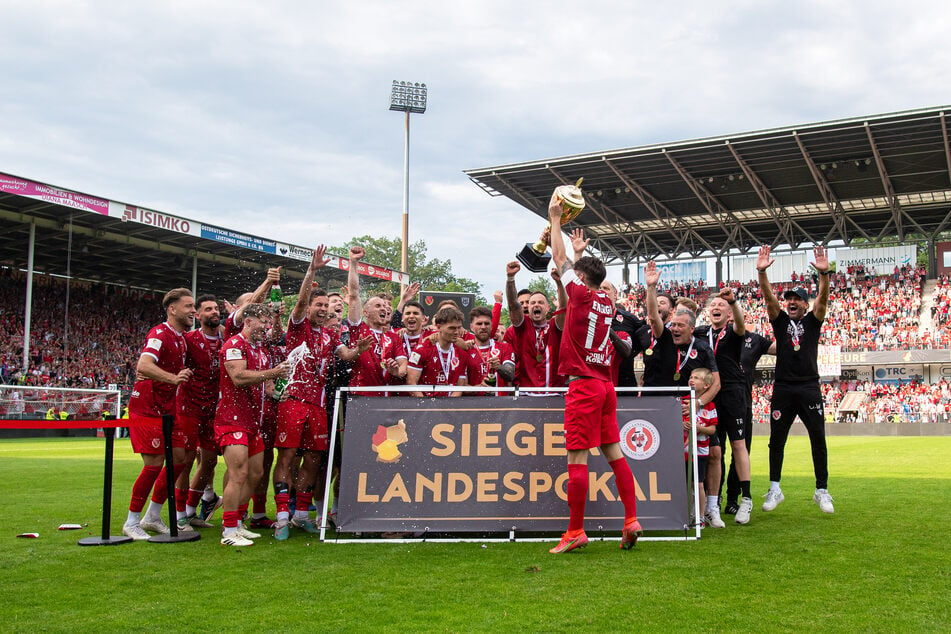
796,388
387,356
537,339
302,415
493,363
195,410
440,362
244,383
159,372
731,401
591,403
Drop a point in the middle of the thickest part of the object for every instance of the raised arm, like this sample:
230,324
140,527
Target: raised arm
259,294
821,304
354,306
578,244
515,309
307,284
562,299
408,294
651,277
739,323
558,255
763,262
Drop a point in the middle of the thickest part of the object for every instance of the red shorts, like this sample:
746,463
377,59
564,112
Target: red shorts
301,425
145,432
197,431
238,436
590,414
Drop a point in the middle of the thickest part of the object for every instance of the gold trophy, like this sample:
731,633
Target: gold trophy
535,257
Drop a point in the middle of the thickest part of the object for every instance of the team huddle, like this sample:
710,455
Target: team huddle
243,387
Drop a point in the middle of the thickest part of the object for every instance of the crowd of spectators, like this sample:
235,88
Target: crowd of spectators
941,314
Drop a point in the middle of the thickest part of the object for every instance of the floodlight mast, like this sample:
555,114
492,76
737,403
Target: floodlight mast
407,97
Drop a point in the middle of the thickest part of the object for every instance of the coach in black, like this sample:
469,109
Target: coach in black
796,390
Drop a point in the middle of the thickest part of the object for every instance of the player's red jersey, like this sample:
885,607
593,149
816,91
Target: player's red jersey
439,367
586,348
309,378
537,352
198,395
368,368
409,344
154,399
231,328
241,406
479,368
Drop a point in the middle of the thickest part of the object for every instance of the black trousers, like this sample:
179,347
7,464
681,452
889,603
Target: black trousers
805,401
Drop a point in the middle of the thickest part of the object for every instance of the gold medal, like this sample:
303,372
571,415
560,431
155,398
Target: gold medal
648,352
796,347
676,376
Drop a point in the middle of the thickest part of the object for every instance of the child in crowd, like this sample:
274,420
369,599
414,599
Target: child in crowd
708,447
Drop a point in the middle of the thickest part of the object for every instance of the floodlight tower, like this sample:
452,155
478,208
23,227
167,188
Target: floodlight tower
407,97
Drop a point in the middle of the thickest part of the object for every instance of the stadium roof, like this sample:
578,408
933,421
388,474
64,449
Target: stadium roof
114,242
874,178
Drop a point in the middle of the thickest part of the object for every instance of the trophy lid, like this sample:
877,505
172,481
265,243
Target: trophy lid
571,195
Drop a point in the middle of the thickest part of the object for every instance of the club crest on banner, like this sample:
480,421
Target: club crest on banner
639,439
386,441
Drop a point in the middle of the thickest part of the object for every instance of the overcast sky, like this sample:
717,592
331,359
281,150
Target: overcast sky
272,117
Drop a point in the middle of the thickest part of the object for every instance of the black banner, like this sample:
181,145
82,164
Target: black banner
495,464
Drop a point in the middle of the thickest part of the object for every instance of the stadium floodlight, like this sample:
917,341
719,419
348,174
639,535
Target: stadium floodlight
408,97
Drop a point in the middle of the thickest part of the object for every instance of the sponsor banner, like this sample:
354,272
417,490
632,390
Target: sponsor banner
678,271
54,195
295,253
431,300
379,272
882,259
898,373
131,213
453,465
234,238
829,360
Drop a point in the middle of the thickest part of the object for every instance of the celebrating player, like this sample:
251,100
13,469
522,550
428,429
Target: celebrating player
440,362
591,403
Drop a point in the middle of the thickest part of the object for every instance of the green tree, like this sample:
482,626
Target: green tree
432,274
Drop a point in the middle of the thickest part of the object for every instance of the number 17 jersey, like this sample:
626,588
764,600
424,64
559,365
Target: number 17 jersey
586,348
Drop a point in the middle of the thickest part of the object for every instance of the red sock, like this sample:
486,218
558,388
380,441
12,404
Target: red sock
577,495
242,510
303,501
194,497
230,519
181,496
160,493
283,502
260,503
624,480
143,484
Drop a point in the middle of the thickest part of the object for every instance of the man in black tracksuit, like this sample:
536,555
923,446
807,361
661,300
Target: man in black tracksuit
796,389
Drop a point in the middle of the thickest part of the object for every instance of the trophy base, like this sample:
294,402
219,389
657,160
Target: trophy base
533,260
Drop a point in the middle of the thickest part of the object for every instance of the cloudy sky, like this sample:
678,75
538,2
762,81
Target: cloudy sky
272,117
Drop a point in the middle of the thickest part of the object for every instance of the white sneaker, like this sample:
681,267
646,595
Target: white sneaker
824,500
773,498
245,533
713,519
154,524
184,526
135,532
743,514
235,540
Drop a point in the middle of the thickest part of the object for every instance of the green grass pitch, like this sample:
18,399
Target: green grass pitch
881,563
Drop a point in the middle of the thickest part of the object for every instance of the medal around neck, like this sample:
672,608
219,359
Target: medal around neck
535,257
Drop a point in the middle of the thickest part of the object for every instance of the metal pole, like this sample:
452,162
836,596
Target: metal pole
29,298
194,282
404,259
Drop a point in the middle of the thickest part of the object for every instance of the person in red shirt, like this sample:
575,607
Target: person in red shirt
302,415
195,411
259,295
493,363
159,372
244,383
537,339
440,362
585,357
387,355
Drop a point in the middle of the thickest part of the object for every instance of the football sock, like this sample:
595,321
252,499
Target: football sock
230,520
132,518
624,481
209,494
713,501
160,492
577,495
282,500
155,510
143,485
191,502
773,485
745,488
260,504
181,499
303,504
